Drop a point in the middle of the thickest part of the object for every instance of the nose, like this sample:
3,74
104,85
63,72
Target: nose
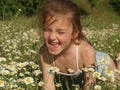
52,36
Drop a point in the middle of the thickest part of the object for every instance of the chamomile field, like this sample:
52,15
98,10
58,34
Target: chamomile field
19,54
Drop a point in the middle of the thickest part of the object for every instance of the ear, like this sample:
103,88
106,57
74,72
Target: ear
75,34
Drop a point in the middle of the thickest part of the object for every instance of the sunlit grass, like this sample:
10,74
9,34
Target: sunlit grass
19,47
106,39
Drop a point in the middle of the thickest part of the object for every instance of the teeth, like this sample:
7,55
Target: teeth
53,43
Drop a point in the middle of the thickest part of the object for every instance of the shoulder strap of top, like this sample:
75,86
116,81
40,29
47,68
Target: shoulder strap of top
77,57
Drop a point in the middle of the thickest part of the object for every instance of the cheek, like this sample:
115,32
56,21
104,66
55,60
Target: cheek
66,38
45,35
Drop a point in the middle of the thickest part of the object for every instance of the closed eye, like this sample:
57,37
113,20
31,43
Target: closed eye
61,32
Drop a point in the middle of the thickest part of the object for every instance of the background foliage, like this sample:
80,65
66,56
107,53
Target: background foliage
116,5
8,8
20,39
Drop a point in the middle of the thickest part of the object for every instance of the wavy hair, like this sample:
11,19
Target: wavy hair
63,7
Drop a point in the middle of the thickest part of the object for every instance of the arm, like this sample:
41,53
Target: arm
89,58
89,81
112,65
47,77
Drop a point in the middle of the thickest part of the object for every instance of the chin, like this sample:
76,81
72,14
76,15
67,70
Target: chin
54,52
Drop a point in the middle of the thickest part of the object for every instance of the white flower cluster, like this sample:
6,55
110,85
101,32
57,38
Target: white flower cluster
19,75
53,70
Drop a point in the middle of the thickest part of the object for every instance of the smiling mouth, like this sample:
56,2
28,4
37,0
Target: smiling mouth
53,45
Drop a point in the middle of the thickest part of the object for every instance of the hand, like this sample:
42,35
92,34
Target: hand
118,55
118,61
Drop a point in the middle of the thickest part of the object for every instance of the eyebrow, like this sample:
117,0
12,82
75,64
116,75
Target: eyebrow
61,29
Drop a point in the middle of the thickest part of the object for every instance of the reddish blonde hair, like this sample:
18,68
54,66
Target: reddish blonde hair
63,7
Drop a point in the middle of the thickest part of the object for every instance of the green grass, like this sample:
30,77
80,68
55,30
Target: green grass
20,42
100,16
103,31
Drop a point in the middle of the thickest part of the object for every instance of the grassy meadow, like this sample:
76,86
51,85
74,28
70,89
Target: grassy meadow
19,46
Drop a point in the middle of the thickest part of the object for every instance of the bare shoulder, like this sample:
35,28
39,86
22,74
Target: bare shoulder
88,53
85,46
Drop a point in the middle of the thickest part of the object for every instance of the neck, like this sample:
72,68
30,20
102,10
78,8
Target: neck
69,50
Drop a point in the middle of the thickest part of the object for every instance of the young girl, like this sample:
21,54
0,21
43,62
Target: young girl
66,47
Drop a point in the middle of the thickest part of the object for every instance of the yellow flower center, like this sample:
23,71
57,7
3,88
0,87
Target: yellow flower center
28,80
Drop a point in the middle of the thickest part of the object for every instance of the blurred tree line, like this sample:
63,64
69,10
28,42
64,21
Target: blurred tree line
9,8
116,5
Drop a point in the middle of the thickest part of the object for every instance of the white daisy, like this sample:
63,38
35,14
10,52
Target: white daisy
96,74
53,70
21,65
103,78
70,70
1,83
28,80
91,69
5,72
85,69
37,72
2,59
109,72
41,83
11,67
97,87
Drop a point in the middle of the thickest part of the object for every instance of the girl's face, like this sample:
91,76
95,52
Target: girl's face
57,34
